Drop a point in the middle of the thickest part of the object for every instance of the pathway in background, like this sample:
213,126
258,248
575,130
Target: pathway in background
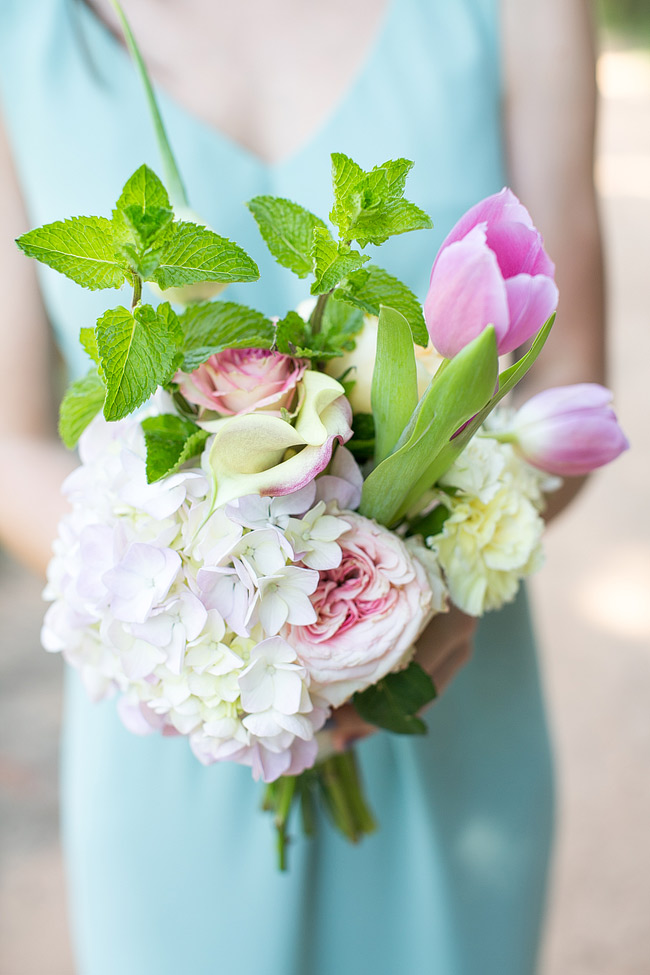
593,609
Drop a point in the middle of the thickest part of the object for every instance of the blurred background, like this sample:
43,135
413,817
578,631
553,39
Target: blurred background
592,605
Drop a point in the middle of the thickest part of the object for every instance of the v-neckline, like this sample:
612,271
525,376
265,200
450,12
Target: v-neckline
169,102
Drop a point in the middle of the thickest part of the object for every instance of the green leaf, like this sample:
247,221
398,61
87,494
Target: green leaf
288,230
339,325
369,206
81,403
143,190
191,254
393,703
332,261
460,388
138,352
507,381
213,326
170,442
394,390
294,337
372,287
81,248
89,342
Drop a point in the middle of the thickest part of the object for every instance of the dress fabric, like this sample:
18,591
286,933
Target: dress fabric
171,866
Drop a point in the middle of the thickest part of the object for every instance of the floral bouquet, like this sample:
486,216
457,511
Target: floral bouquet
268,513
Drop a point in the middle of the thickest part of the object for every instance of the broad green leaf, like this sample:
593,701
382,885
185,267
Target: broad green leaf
81,248
369,206
507,381
332,261
213,326
143,190
288,230
460,388
89,342
81,403
394,391
372,287
191,254
393,703
138,352
170,442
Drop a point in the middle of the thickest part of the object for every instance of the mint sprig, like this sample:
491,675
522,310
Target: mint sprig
288,231
170,441
211,327
332,261
82,248
81,404
372,287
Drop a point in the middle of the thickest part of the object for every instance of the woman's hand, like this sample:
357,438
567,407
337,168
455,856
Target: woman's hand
444,647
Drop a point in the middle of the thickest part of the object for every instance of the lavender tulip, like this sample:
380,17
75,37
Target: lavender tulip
491,269
569,430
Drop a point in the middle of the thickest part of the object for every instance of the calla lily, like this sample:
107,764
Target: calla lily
249,453
568,430
491,269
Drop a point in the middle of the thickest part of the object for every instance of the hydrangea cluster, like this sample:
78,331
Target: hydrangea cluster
203,617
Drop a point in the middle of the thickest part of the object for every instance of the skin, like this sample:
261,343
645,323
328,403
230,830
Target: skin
549,118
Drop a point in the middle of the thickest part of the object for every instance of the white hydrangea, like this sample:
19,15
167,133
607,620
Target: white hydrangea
492,537
179,607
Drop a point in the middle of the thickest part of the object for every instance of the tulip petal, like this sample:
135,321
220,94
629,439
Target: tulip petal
562,399
502,207
466,294
519,249
531,301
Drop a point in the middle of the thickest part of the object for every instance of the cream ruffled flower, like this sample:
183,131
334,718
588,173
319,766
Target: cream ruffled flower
492,538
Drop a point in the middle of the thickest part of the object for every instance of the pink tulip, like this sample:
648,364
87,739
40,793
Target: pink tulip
491,270
569,430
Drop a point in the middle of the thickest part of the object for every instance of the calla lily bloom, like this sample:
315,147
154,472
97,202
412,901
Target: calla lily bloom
262,454
491,270
569,430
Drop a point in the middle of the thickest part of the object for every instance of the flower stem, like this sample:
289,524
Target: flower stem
316,317
173,179
137,290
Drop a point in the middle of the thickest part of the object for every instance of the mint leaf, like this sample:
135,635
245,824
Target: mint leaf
138,352
394,702
89,342
81,248
143,190
81,403
340,323
369,206
288,230
213,326
294,337
191,254
372,287
170,442
332,261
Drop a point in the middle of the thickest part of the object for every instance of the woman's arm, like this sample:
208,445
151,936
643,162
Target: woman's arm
33,463
550,119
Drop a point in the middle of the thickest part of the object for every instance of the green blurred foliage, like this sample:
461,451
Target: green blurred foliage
630,18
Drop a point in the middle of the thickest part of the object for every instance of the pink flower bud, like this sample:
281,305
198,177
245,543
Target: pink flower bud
490,270
238,381
569,430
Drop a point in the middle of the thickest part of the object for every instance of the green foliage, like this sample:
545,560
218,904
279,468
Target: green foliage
394,392
369,207
460,388
288,231
138,353
332,261
362,444
81,403
213,326
171,442
339,325
372,287
394,702
89,343
81,248
191,254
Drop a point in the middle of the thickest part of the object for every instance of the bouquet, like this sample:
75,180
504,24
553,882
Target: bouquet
269,512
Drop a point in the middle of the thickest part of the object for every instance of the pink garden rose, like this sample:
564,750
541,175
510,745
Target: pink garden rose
370,611
238,381
491,269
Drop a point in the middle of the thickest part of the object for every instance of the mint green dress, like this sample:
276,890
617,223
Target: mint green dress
171,866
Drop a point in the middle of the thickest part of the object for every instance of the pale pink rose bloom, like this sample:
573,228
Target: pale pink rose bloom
370,611
238,381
